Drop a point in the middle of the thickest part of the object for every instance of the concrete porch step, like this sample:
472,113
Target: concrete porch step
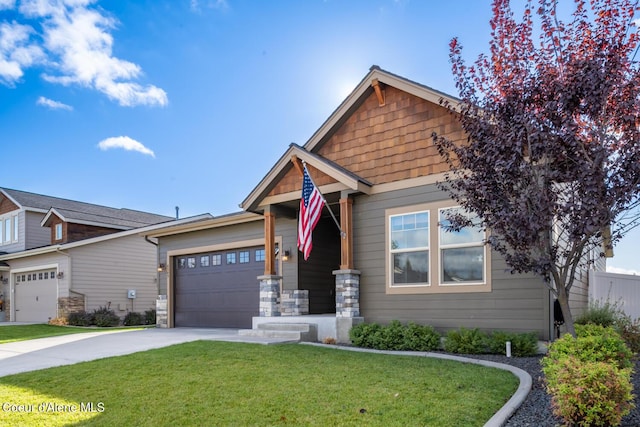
293,331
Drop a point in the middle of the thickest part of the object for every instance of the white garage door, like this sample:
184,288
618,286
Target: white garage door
36,296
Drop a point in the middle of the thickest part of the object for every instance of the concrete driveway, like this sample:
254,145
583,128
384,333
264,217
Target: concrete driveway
31,355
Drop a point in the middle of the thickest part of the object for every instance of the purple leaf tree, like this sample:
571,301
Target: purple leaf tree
552,161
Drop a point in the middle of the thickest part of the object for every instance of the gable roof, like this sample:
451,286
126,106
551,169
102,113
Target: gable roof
346,179
82,213
376,78
362,92
142,232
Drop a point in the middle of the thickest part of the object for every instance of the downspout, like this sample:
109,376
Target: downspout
146,238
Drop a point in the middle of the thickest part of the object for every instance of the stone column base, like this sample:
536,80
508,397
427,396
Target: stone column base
269,295
347,293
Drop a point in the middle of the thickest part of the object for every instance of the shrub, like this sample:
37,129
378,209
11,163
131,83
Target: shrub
589,377
80,318
629,330
104,317
391,337
395,336
59,321
600,313
522,344
365,335
420,338
150,317
589,393
465,341
594,343
133,318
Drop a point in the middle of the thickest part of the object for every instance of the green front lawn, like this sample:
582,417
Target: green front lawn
29,332
236,384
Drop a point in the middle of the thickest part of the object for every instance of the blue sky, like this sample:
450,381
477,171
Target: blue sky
152,104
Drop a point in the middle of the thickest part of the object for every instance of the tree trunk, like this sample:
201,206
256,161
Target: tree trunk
563,299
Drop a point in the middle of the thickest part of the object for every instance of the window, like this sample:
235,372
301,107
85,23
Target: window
59,231
410,248
244,257
204,261
17,277
46,275
16,228
259,255
52,274
461,252
423,256
191,262
216,259
231,258
7,230
40,276
182,263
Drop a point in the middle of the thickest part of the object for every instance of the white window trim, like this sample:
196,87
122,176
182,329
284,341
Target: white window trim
418,249
16,228
460,246
432,287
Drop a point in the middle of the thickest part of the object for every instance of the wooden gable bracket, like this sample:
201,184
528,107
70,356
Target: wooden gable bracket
297,163
379,91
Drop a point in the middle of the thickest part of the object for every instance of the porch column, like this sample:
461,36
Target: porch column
269,242
346,224
269,282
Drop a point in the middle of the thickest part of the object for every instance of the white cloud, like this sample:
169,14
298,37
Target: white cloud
196,5
7,4
54,105
16,51
126,143
611,269
78,43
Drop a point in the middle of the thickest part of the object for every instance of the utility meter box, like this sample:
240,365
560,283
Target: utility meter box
131,294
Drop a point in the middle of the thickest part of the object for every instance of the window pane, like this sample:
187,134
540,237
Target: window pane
259,254
216,259
191,262
465,235
7,229
15,228
182,263
231,258
462,265
411,267
410,231
244,257
204,261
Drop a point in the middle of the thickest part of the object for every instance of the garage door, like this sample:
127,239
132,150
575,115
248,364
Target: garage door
218,289
36,296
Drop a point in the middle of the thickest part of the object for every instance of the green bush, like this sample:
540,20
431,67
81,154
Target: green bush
522,344
589,377
132,318
589,393
594,343
395,336
420,338
150,317
466,341
365,335
80,318
104,317
600,313
629,330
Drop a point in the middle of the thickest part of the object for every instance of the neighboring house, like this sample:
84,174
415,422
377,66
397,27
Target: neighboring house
376,164
60,256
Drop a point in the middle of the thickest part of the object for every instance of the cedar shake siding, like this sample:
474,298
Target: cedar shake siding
383,144
7,206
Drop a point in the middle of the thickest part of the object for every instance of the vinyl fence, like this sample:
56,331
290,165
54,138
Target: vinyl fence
620,289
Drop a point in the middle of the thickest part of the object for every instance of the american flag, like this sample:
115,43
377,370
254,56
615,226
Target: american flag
311,205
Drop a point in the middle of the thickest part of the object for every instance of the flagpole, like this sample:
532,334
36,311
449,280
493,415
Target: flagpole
342,233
